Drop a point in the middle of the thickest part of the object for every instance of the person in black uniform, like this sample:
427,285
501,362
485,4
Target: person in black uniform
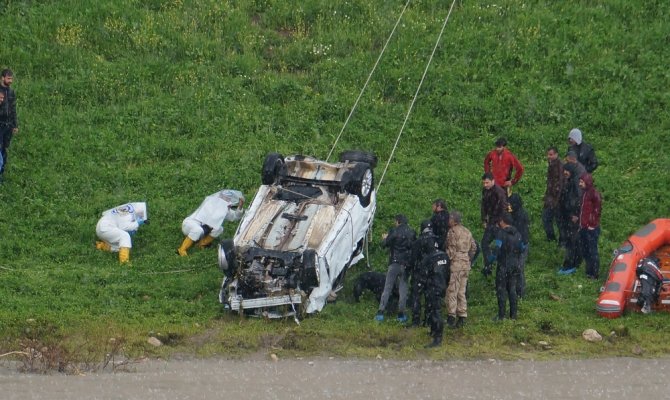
508,246
425,244
651,282
436,264
440,222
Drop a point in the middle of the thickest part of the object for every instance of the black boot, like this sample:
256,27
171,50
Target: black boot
451,321
437,341
461,322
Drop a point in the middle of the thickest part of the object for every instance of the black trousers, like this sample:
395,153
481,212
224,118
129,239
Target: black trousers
419,290
506,289
549,217
434,300
5,139
649,292
573,248
489,236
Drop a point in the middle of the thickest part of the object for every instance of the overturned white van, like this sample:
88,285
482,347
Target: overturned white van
306,226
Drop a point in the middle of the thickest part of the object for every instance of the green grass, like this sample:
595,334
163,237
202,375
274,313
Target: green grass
169,101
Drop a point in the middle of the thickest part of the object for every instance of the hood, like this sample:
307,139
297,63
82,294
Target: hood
231,196
571,168
588,180
140,210
575,135
516,202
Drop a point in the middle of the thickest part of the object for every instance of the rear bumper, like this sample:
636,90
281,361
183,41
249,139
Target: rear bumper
237,303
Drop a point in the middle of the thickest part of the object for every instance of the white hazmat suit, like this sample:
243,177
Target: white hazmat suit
206,223
117,224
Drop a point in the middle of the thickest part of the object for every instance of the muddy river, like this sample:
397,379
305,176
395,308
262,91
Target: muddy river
623,378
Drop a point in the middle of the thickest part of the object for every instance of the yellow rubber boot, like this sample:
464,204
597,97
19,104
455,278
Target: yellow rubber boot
124,255
205,241
104,246
185,245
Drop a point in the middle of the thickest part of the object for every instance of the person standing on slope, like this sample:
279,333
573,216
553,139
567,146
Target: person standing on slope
585,153
502,163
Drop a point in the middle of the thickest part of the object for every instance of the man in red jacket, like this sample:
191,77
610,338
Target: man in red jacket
501,162
589,224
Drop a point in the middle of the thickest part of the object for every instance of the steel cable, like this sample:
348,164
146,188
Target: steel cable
337,139
411,106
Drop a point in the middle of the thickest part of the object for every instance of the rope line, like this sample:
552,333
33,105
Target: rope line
367,81
411,106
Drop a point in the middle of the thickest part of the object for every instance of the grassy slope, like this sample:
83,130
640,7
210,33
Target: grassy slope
168,101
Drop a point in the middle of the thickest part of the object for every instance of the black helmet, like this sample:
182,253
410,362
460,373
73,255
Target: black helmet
426,224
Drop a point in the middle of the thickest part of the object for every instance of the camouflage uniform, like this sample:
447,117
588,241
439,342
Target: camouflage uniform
461,248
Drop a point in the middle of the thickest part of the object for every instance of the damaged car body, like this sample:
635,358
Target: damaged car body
306,226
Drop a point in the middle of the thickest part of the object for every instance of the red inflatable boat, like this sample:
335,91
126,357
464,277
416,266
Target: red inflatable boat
622,287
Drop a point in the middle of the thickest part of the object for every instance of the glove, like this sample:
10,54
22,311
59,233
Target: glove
140,221
490,259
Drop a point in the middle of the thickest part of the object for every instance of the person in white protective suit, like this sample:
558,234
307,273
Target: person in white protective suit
206,223
116,226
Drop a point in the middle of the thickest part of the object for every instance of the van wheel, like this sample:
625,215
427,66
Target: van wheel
359,156
361,182
227,260
271,168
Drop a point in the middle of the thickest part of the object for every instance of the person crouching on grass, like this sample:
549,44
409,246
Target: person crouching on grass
206,223
117,225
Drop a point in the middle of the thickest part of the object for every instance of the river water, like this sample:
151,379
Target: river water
621,378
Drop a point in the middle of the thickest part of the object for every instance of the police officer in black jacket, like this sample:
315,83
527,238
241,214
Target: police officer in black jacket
435,263
421,277
400,241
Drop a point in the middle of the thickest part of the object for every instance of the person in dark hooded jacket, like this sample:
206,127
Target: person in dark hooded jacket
589,225
552,194
570,204
440,222
522,224
494,205
584,151
508,246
